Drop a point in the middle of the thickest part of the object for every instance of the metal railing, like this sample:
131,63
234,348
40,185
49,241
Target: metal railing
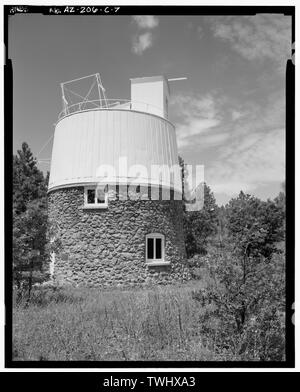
110,104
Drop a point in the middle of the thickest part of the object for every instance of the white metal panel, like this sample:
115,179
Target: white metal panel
150,94
86,140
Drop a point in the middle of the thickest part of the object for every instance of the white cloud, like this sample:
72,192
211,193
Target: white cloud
196,106
255,160
254,154
186,133
142,42
146,21
230,188
242,144
257,37
200,115
236,115
215,139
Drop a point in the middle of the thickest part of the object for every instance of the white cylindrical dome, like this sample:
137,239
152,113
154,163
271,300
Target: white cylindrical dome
88,141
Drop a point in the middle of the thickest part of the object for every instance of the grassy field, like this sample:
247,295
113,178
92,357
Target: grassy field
161,323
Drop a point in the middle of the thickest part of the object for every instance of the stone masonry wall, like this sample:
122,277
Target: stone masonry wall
106,247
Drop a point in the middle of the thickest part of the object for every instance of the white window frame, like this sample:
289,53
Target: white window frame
155,261
95,205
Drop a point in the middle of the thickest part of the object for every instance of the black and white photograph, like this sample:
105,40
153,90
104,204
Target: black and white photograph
149,186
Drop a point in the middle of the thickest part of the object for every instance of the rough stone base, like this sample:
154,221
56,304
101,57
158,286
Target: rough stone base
106,247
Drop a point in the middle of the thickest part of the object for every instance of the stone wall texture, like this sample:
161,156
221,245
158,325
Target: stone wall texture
106,247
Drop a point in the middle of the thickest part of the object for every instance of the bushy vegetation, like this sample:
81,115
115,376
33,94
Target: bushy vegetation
233,309
175,323
247,279
248,318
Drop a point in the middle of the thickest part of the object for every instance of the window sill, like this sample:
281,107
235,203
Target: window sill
95,207
157,263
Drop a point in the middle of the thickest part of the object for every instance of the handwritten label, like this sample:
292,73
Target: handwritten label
18,9
68,10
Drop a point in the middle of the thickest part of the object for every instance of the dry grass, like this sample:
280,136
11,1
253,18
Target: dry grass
159,323
162,323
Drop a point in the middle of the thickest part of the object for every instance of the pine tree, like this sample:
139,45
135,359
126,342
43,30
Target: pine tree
28,181
29,218
202,224
254,226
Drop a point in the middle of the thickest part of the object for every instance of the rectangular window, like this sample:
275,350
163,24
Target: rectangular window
150,248
91,196
158,248
100,200
100,196
95,197
155,249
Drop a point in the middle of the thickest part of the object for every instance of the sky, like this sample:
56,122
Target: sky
229,114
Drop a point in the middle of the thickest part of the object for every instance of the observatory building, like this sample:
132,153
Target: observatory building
115,188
